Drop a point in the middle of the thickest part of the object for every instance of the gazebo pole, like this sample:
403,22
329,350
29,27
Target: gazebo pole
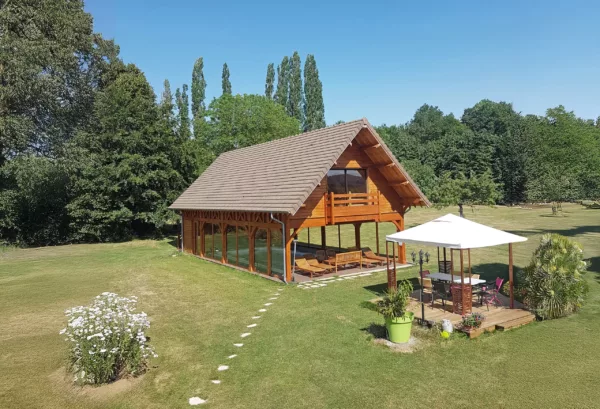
470,275
451,266
510,275
462,283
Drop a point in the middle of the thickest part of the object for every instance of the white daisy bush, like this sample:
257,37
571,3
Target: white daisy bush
107,339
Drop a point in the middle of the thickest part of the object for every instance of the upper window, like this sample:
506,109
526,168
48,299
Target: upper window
342,181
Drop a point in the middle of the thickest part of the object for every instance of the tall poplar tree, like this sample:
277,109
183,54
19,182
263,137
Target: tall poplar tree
295,100
183,109
314,110
198,88
281,94
270,82
225,83
166,105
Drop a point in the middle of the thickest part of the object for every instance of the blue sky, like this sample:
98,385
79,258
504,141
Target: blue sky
380,60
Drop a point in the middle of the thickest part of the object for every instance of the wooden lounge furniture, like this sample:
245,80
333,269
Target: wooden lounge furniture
371,255
303,265
350,257
315,262
321,255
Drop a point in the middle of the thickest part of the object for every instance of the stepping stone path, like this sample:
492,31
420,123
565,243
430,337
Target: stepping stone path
196,401
193,401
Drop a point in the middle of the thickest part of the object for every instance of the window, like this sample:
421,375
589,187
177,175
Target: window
217,242
208,240
343,181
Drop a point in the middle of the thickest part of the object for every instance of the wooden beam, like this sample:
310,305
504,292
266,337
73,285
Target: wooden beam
323,237
399,184
377,237
386,165
288,254
357,235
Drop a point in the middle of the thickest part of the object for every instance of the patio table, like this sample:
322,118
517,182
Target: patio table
448,277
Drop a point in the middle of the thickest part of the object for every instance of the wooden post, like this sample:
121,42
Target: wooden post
332,203
462,285
323,237
224,243
251,232
269,272
357,235
288,254
402,250
510,275
339,238
377,237
469,253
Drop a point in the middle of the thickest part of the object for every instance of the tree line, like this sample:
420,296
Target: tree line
494,154
88,152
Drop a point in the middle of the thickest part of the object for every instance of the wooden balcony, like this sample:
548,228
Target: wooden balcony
352,207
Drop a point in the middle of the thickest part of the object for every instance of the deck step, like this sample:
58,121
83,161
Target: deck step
515,323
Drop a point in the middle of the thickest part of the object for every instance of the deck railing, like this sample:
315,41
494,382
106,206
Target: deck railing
349,205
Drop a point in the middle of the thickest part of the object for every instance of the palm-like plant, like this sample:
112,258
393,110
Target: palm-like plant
554,281
395,301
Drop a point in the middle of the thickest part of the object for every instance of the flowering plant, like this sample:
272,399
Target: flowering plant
473,320
107,339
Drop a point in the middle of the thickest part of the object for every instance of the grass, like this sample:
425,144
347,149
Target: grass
311,348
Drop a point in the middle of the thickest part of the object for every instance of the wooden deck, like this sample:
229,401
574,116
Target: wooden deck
497,318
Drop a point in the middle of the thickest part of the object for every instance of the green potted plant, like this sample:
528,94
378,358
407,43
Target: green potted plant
393,305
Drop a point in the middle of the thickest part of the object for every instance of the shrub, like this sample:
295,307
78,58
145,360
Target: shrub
107,339
394,302
554,281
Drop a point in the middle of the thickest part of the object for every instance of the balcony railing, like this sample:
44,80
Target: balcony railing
351,206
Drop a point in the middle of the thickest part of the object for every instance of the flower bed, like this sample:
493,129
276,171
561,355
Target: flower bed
472,321
107,339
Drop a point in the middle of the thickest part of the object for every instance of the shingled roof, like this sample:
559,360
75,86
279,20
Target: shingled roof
277,176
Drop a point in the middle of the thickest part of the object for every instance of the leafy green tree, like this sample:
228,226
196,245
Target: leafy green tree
198,88
242,120
270,81
33,201
283,82
295,100
314,110
125,178
225,83
167,106
183,111
423,175
47,68
554,282
454,189
429,123
494,117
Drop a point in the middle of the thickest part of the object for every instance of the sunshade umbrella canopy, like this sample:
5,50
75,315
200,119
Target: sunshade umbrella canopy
456,233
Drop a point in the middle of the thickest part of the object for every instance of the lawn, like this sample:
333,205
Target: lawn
310,348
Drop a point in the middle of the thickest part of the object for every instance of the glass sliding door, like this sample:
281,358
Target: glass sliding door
276,252
260,251
232,245
243,249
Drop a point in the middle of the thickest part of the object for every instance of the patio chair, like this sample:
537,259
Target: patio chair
489,293
368,253
303,265
440,290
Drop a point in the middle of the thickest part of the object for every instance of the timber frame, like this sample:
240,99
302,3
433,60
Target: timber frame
251,236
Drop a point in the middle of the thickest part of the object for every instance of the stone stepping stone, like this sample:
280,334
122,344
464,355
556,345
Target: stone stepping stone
305,288
268,304
256,317
196,401
245,334
340,279
262,310
251,325
322,285
238,345
222,368
273,298
231,356
215,381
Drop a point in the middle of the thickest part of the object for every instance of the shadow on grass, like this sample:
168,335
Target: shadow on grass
380,289
375,330
563,232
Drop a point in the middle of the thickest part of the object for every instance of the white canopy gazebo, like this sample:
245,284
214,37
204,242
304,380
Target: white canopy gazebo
457,233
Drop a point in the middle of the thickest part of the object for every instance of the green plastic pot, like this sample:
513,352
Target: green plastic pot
398,329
